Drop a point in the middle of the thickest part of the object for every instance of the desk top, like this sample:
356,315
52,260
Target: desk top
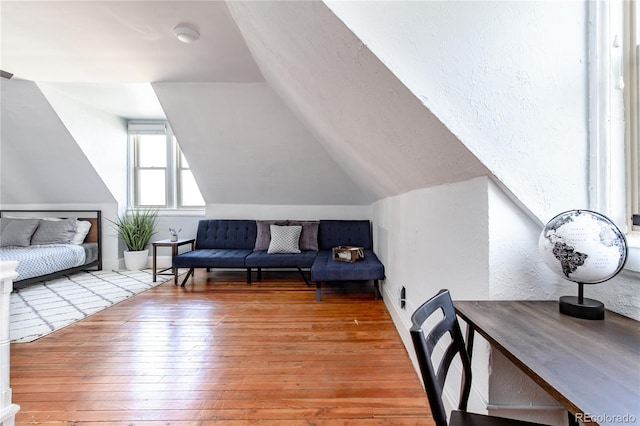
590,367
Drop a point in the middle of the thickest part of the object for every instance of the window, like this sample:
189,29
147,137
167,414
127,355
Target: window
159,174
631,95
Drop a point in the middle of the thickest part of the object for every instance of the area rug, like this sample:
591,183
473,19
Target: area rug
43,308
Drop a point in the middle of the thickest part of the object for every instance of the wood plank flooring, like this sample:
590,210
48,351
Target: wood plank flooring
225,353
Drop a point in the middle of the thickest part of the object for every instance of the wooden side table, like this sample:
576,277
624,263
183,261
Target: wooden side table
174,252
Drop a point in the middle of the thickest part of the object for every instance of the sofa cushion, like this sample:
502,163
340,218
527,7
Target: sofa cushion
263,237
212,258
260,259
284,239
324,268
226,234
309,234
332,233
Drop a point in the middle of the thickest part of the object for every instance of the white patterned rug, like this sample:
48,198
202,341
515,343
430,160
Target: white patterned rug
43,308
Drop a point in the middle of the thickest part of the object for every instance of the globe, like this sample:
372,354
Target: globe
584,247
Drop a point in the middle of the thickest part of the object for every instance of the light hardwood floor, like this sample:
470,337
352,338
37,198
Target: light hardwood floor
221,352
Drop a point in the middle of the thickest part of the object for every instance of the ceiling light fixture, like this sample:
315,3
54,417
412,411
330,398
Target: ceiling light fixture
186,33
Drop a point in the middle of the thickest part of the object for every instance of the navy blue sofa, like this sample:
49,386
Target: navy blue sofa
230,244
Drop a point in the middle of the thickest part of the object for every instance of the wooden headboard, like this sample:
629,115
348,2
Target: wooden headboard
94,231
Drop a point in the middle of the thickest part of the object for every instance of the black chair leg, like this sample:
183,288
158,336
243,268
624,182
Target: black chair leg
187,277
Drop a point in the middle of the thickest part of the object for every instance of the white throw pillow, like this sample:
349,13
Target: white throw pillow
82,229
284,239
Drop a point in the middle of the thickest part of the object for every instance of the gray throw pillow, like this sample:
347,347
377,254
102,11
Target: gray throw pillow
17,232
263,237
54,232
309,235
284,239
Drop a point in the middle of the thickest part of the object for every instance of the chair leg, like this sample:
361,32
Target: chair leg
187,277
248,275
304,277
318,291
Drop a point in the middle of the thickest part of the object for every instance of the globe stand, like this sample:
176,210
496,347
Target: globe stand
580,307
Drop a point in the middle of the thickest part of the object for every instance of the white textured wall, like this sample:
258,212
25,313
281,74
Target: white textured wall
508,78
367,120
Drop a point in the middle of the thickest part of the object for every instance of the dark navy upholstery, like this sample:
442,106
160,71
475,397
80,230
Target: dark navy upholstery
226,234
332,233
326,269
230,244
212,258
260,259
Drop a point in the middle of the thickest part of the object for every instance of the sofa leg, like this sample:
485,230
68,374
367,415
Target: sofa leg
318,291
304,277
248,275
376,286
259,274
187,277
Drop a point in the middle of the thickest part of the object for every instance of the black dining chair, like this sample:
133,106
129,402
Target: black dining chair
434,379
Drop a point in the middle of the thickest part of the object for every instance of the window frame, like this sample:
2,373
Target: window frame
173,195
631,60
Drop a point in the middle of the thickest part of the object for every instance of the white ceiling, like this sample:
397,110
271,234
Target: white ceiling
99,48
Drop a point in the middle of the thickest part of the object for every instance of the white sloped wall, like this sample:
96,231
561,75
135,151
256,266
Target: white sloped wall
246,147
508,78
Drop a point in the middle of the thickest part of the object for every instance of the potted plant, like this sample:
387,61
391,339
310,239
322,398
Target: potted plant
136,228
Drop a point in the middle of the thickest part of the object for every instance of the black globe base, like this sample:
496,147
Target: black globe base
586,308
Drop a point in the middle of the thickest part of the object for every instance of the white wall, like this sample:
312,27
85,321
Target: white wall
509,79
101,136
369,123
41,162
430,239
245,146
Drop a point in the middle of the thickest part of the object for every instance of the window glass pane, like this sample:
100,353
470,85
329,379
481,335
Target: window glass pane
152,151
152,188
189,190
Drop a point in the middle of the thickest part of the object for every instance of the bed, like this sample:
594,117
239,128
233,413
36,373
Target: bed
48,244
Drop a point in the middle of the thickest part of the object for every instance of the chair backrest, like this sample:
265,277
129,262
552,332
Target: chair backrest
434,378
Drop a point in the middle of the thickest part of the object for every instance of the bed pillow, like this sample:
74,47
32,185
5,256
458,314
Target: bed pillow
54,232
309,234
284,239
17,232
82,230
263,237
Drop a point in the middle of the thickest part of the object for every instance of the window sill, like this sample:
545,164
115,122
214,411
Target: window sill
182,212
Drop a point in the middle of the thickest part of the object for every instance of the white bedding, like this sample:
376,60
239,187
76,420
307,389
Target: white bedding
37,260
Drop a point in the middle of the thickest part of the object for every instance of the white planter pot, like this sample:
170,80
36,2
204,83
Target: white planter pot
136,260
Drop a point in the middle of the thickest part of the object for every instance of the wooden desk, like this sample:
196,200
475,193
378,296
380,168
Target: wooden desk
590,367
174,252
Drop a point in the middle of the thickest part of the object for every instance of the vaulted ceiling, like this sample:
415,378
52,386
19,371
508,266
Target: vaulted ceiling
276,103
